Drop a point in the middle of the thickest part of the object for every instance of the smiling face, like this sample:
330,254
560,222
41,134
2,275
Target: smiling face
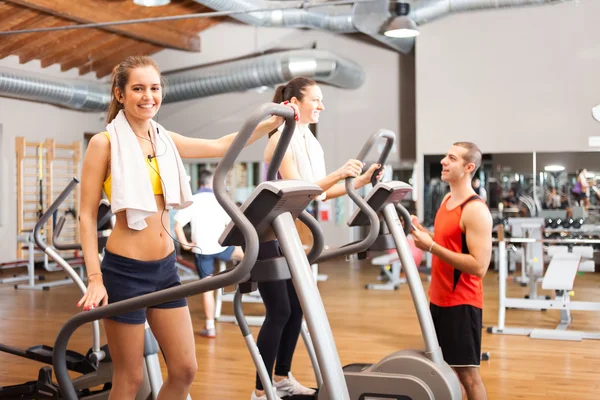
311,105
454,165
143,93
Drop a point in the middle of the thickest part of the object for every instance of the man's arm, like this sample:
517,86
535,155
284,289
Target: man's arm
477,222
178,228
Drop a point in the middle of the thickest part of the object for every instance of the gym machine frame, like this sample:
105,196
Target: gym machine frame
220,280
561,302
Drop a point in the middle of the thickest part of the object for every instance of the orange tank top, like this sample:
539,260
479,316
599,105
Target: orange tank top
451,287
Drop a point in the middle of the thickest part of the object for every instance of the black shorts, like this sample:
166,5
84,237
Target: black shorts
458,331
125,278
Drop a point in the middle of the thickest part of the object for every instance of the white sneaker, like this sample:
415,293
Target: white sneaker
263,397
290,386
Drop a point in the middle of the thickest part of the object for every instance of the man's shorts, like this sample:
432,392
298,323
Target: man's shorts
205,263
458,331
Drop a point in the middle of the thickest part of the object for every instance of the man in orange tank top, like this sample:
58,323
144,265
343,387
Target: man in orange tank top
461,248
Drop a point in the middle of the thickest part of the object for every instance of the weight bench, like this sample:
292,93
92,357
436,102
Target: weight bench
586,252
559,277
393,275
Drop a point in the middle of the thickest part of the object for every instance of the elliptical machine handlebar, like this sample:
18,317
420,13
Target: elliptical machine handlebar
220,280
309,220
39,240
374,223
318,236
250,236
56,233
283,143
405,215
390,139
50,250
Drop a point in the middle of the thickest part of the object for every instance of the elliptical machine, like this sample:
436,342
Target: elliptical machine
246,234
95,367
404,375
272,208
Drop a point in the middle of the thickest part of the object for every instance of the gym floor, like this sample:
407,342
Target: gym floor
367,325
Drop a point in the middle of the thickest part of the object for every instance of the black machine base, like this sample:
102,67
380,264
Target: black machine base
43,388
75,362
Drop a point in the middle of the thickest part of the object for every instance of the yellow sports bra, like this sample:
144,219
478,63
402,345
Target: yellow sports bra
152,166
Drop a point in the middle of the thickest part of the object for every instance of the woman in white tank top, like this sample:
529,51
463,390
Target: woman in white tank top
304,160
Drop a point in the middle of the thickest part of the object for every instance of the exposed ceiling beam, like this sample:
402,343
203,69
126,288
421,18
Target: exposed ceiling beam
89,54
91,12
98,54
80,45
42,44
6,45
13,45
107,64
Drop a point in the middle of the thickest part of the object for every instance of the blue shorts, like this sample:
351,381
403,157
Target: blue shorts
125,278
205,263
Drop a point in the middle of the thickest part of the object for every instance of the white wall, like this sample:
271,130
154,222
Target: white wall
350,116
511,80
35,122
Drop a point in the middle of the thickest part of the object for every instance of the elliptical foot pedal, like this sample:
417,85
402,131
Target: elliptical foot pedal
357,367
75,361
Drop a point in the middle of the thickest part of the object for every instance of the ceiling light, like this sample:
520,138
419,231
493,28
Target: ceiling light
554,168
151,3
596,112
401,27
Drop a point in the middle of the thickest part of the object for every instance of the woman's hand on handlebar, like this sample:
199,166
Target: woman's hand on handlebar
351,169
365,178
280,120
95,295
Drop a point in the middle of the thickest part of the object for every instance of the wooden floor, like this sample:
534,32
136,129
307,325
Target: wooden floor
367,326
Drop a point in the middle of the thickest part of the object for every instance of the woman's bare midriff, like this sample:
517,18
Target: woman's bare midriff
150,244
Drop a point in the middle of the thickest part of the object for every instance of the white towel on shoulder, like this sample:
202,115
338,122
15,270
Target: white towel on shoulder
308,154
131,188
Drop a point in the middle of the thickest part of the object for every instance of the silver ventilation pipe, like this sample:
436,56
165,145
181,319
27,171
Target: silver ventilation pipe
297,18
290,18
365,17
266,70
424,11
74,94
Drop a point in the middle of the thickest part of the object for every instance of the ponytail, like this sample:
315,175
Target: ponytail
115,105
294,88
278,97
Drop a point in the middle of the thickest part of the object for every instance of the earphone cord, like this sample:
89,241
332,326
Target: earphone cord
163,183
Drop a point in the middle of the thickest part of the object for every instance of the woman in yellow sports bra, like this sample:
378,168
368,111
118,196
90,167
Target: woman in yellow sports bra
140,259
152,166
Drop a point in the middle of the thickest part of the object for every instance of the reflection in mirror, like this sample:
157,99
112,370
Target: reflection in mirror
560,184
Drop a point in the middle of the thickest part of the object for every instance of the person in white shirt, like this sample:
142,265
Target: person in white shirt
208,220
